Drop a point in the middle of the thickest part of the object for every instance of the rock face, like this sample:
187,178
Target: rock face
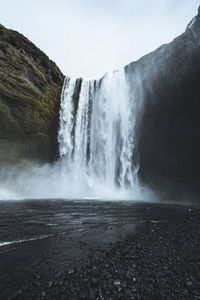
30,87
169,131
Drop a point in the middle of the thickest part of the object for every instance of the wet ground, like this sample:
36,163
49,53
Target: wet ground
54,249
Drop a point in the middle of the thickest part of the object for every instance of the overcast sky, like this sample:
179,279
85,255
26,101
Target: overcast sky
89,37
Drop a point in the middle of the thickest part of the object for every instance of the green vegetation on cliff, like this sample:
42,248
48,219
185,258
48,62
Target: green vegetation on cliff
30,88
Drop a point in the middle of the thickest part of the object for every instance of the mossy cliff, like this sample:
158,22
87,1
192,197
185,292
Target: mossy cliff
30,88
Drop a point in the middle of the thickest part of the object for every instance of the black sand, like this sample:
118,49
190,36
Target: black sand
99,250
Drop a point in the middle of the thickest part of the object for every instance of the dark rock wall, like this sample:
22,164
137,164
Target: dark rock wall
169,133
30,88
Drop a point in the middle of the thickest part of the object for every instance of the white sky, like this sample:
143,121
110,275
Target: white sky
90,37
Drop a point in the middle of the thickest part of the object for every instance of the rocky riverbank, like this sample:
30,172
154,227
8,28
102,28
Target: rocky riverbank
160,261
156,257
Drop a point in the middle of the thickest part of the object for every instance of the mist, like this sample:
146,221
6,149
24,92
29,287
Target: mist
28,180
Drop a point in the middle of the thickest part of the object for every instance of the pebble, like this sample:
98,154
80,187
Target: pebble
189,283
117,282
50,283
147,265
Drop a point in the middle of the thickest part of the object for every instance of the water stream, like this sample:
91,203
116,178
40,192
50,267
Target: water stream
97,133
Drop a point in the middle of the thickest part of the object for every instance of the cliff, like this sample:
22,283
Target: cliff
30,87
169,126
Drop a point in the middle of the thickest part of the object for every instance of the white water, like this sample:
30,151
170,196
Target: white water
26,240
97,137
97,146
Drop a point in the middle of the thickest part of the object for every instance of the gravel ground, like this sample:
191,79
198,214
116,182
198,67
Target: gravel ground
159,260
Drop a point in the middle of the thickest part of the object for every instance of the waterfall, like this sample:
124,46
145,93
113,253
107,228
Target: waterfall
97,132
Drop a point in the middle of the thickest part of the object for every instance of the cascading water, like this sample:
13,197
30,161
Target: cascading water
97,134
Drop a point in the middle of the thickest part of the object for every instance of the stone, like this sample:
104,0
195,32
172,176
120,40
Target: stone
117,282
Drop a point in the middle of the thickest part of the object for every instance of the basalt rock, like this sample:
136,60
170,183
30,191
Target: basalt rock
30,88
169,125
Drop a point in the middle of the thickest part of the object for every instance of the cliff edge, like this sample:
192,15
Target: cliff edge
169,125
30,88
